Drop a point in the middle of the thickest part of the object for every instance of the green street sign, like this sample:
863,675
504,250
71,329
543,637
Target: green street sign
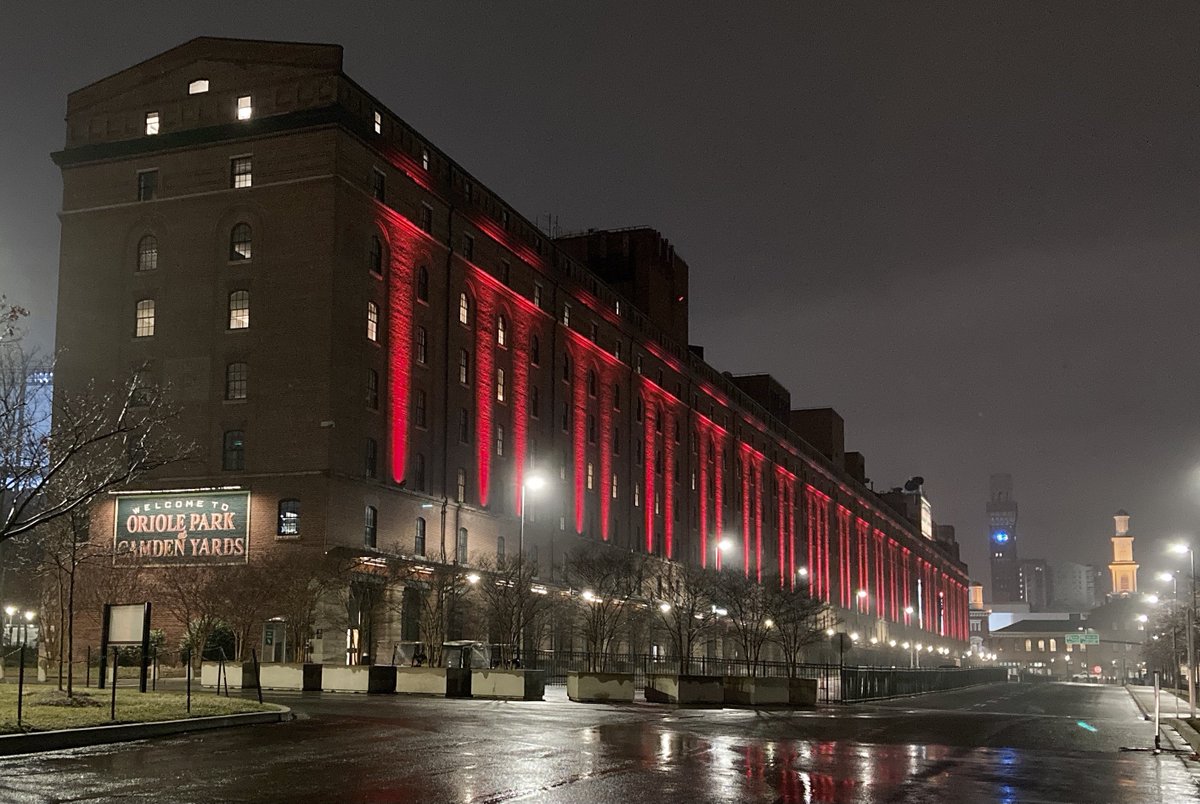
1083,639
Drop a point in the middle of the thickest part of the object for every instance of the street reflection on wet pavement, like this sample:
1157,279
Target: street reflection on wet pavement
1003,743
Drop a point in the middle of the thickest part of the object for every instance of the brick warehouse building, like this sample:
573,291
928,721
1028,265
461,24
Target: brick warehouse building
378,350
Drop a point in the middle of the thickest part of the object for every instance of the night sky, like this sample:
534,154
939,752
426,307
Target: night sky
973,231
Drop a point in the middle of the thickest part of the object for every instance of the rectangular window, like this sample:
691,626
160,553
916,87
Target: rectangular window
289,518
464,426
377,118
419,407
590,477
147,185
425,158
145,319
372,389
239,309
422,345
372,321
505,271
464,367
198,87
378,185
460,552
426,218
566,314
461,487
371,458
468,246
235,381
419,538
537,294
245,107
241,172
233,451
499,385
370,526
151,123
535,402
499,440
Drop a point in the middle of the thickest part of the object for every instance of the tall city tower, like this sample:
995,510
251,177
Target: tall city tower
1123,567
1002,540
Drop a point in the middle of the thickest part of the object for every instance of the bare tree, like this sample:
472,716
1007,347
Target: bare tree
687,608
245,594
747,602
516,607
799,620
65,548
196,599
300,582
443,589
610,589
57,456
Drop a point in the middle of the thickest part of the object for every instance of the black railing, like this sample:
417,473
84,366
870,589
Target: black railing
870,683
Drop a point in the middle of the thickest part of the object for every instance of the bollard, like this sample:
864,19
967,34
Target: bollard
1157,711
188,663
88,668
257,679
20,684
116,665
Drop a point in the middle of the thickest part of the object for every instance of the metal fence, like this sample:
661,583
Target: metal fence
834,683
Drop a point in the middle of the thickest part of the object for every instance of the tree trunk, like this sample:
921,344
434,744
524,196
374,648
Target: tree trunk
70,634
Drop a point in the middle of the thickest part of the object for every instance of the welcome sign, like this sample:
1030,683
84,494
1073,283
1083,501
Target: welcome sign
182,528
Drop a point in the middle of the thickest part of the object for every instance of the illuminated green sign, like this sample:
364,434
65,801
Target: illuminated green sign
182,528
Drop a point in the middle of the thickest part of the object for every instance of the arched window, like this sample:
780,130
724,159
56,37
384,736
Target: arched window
501,331
236,375
419,537
460,551
464,309
423,283
375,256
147,259
289,518
535,350
241,241
1053,645
239,309
591,381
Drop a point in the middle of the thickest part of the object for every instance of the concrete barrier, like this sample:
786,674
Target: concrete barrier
345,679
747,691
802,692
421,680
238,675
685,689
600,687
290,676
522,685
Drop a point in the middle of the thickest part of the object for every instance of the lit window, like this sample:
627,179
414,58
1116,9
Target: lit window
151,123
370,526
614,487
241,172
590,477
239,309
425,158
245,108
147,185
145,318
372,321
499,385
501,331
289,518
464,309
375,256
422,345
235,381
566,316
499,440
378,120
233,451
198,87
241,242
147,253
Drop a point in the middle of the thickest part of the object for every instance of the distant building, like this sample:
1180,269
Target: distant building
1002,540
1074,586
1035,583
1123,568
977,617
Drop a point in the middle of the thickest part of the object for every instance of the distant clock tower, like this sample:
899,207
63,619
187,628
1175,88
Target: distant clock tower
1002,541
1123,567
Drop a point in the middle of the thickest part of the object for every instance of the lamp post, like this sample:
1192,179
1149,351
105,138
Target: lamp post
531,483
1174,579
720,547
1191,620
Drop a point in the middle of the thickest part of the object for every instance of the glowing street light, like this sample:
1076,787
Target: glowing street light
473,578
664,607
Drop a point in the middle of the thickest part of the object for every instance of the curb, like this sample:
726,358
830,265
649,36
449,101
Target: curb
34,742
1137,703
1185,731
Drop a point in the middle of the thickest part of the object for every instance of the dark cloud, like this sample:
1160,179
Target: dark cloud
971,228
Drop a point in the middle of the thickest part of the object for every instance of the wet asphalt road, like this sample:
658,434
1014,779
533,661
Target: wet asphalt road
1000,743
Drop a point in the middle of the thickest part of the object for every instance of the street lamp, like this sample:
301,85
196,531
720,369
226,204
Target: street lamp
9,611
723,545
1180,549
1174,580
532,483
